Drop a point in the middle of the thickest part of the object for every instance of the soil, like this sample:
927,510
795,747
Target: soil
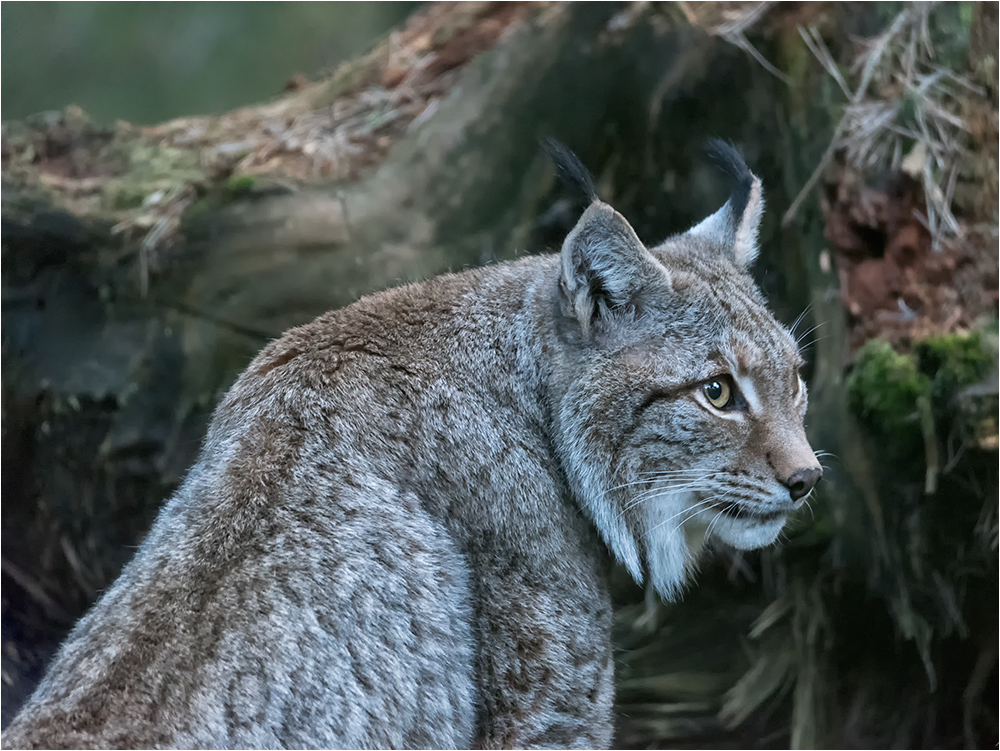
894,284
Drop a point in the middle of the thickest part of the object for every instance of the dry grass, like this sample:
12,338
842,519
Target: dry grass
903,112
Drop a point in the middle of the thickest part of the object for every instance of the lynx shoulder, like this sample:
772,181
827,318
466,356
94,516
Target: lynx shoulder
398,530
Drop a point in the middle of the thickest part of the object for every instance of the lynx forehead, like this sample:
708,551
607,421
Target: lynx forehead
382,545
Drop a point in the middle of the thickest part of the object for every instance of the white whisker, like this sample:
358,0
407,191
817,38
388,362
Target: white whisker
695,509
665,472
647,482
799,319
798,339
708,529
693,486
689,509
805,502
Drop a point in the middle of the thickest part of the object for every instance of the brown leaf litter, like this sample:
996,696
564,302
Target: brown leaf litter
894,285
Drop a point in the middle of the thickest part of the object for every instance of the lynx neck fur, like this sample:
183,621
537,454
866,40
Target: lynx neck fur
397,533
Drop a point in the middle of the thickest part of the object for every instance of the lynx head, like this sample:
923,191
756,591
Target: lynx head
681,407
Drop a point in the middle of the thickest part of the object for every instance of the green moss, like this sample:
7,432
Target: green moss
239,184
952,362
158,161
884,387
123,195
960,356
908,401
148,170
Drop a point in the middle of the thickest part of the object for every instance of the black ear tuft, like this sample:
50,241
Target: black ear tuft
570,169
729,158
734,227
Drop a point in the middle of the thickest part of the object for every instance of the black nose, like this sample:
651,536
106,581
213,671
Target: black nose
802,481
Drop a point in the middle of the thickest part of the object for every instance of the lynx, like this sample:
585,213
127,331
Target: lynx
399,529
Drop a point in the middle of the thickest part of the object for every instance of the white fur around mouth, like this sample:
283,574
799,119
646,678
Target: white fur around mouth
746,530
744,514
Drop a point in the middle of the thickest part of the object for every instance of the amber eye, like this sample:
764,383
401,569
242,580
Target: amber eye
718,393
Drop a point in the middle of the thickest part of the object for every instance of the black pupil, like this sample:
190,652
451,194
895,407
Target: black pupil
714,390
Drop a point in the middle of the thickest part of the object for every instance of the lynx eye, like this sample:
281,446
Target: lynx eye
718,392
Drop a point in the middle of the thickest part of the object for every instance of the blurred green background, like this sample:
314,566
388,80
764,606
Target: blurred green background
148,62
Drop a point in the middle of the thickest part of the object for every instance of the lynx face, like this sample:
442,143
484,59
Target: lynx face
685,416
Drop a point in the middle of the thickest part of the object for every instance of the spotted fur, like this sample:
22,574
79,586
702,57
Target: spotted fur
393,535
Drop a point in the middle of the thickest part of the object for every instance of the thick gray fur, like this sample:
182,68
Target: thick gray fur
393,536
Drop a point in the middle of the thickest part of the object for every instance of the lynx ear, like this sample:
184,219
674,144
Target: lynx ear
605,267
734,227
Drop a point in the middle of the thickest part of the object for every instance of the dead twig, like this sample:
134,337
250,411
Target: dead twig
902,115
874,56
734,31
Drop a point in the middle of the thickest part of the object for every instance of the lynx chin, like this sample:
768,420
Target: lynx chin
399,528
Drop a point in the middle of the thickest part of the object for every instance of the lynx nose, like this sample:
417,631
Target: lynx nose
802,481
